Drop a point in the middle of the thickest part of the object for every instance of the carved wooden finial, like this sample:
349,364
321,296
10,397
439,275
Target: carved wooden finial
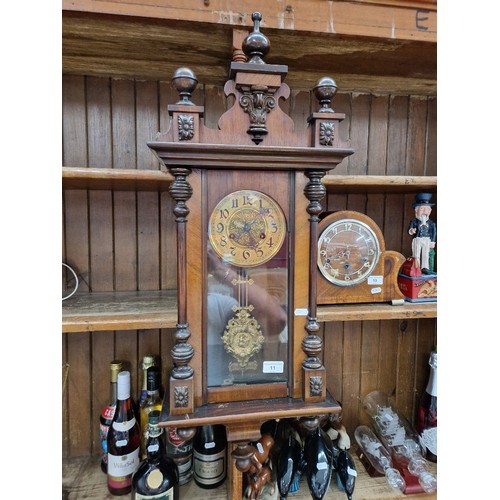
184,81
256,45
324,91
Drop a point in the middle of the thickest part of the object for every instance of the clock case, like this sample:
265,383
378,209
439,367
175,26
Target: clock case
383,289
256,147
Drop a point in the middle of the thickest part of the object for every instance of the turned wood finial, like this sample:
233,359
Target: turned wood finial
324,91
184,81
256,45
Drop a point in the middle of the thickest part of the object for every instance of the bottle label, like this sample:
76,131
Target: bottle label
173,437
154,479
428,439
103,435
109,412
209,469
121,468
167,495
124,426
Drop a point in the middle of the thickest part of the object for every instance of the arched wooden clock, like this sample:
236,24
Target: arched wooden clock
353,265
247,204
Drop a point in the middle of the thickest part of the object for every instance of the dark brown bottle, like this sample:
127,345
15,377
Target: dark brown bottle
157,476
426,425
108,413
210,456
124,440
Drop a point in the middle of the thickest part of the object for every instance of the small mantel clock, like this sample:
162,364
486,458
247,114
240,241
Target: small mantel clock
247,205
353,264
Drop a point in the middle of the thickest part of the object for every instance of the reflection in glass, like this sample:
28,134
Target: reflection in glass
247,334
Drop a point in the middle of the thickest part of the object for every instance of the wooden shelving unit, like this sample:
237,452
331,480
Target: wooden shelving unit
109,95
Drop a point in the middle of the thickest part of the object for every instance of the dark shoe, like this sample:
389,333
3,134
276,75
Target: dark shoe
425,271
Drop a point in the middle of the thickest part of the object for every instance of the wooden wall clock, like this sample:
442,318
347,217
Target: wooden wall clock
353,264
247,205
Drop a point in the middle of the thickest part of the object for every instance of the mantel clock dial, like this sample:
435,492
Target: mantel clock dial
247,228
348,251
353,264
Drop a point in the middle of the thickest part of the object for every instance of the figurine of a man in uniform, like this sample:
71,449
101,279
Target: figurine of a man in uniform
423,231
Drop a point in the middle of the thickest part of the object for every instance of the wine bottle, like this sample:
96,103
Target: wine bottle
181,452
152,402
157,476
210,456
426,425
108,413
288,464
147,361
318,454
124,440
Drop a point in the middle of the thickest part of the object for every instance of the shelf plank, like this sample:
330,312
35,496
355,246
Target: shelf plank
100,311
126,179
345,184
240,412
118,179
379,311
83,478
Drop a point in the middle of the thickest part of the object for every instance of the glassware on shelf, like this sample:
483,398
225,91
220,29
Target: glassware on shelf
378,456
398,436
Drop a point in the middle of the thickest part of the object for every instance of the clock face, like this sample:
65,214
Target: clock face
348,251
247,228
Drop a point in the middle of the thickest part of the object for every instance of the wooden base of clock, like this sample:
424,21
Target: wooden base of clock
388,291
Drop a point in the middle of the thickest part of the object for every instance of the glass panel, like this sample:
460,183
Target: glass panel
247,309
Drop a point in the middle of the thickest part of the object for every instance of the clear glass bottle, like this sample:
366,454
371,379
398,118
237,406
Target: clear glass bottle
124,440
152,402
378,457
426,425
108,413
157,476
210,456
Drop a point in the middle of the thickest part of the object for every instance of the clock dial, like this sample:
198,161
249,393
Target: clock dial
247,228
348,251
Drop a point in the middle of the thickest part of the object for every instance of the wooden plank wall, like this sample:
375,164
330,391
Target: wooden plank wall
126,240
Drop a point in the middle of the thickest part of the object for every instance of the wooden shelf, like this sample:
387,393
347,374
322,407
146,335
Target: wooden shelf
365,312
118,179
344,184
126,179
85,312
233,414
99,311
83,478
